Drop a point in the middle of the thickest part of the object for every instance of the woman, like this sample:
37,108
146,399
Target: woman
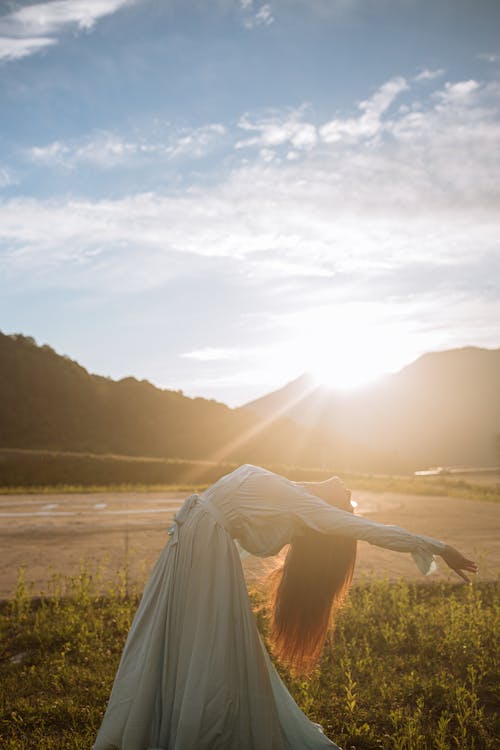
194,674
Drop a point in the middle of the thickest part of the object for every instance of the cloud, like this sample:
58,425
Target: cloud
16,49
30,29
490,57
369,123
254,16
195,142
457,92
421,191
277,129
106,149
215,354
103,150
6,177
429,75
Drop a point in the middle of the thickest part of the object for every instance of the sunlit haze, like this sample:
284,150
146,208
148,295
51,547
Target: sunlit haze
218,197
348,346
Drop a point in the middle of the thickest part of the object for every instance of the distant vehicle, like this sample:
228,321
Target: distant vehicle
438,471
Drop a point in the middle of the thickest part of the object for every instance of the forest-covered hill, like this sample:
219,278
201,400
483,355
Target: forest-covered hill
48,401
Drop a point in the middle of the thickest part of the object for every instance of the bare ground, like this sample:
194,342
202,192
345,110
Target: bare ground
50,534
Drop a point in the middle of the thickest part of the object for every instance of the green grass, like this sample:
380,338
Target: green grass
411,667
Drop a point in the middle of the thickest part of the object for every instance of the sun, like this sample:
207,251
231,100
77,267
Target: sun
351,348
346,372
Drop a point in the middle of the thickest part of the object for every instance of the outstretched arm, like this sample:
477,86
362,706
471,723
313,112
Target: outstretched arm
422,548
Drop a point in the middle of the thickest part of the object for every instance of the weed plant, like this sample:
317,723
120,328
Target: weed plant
409,667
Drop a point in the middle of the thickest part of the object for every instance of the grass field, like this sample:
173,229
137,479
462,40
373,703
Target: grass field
436,486
47,472
374,483
411,667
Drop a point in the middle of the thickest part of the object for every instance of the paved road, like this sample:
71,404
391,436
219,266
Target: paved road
57,533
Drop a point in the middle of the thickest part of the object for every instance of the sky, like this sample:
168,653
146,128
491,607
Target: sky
218,195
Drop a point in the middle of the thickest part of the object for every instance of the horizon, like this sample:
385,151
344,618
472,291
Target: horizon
219,199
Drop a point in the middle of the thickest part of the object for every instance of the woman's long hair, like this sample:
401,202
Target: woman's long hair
307,593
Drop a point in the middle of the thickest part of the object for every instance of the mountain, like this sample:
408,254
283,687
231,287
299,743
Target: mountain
48,401
443,409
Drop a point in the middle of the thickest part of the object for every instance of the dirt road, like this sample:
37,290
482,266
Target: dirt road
57,533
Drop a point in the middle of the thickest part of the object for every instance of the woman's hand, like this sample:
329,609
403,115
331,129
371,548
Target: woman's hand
457,562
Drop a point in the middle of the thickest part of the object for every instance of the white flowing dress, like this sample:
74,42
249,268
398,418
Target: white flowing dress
194,673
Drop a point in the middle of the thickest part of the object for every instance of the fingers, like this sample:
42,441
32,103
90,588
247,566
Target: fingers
457,562
469,565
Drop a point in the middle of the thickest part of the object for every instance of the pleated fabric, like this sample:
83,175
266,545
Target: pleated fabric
194,674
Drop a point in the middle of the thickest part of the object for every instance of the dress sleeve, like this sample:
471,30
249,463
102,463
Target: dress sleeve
311,512
320,516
